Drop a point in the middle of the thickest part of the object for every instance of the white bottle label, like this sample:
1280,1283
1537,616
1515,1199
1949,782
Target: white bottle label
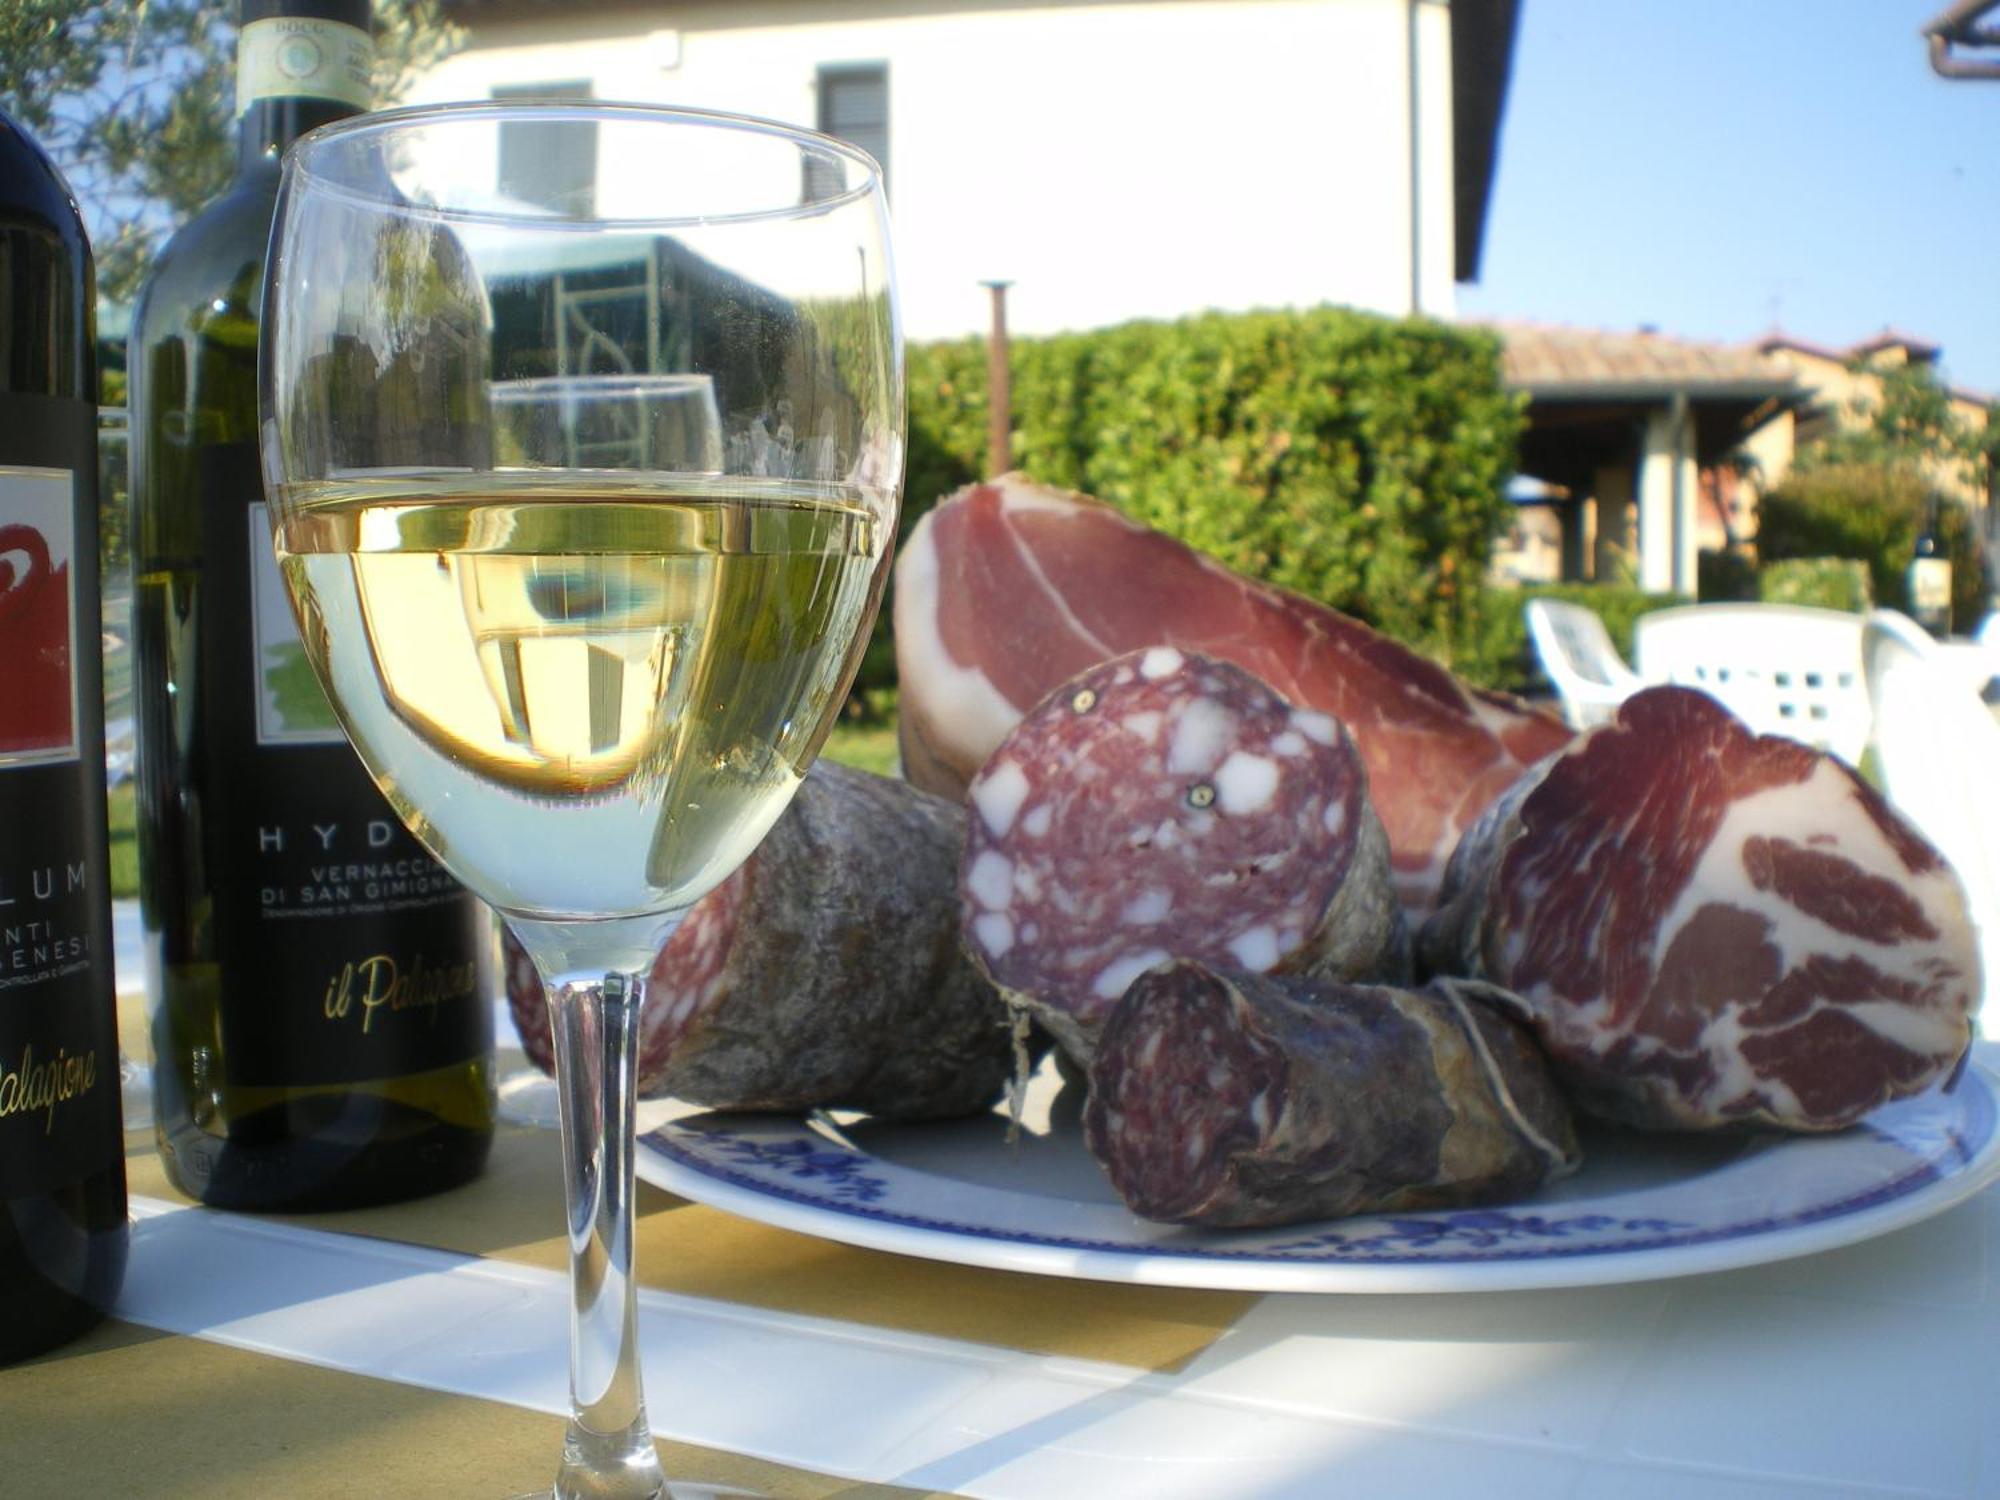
1930,586
284,57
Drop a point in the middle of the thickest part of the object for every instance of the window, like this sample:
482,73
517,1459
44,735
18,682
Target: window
552,166
853,105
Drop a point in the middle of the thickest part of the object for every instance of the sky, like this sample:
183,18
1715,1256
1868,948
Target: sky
1717,168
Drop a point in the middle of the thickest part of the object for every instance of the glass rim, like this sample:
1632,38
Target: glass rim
389,122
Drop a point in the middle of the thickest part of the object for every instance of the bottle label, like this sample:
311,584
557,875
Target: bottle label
285,57
38,616
349,953
1930,588
59,1116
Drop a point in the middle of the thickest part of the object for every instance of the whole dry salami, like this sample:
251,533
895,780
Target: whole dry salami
1166,805
1706,927
825,973
1235,1100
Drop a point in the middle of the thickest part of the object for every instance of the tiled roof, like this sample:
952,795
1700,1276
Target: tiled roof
1921,351
1556,360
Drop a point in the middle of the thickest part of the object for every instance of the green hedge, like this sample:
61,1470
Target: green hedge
1355,458
1825,582
1871,513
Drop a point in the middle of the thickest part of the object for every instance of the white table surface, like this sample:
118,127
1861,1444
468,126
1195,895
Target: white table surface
1863,1372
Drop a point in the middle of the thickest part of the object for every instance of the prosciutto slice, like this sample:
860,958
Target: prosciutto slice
1706,927
1009,588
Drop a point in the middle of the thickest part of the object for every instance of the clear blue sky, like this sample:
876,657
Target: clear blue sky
1716,167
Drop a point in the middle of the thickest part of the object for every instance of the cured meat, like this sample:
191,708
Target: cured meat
1008,588
1234,1100
1166,805
826,972
1708,928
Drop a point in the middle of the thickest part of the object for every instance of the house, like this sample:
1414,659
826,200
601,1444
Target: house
1842,385
1648,450
1112,159
1633,436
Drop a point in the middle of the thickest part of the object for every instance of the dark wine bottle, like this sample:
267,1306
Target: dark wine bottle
1929,576
62,1146
320,1037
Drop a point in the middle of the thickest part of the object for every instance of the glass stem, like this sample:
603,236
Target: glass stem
608,1453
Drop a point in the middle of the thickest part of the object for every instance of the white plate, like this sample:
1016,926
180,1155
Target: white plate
1642,1207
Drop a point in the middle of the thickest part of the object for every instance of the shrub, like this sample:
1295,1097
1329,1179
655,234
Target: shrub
1725,576
1870,512
1824,582
1357,459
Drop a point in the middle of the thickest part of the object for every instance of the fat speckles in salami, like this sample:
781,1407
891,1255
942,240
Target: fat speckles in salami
1167,805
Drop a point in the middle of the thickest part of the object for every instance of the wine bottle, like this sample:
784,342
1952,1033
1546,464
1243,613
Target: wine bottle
1929,577
62,1147
320,1037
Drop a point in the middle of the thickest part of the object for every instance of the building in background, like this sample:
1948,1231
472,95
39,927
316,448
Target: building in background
1635,437
1646,450
1113,159
1842,385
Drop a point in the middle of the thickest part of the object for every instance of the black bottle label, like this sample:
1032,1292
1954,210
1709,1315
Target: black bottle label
353,953
59,1117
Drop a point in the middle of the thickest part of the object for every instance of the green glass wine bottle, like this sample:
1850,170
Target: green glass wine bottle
320,1035
1928,578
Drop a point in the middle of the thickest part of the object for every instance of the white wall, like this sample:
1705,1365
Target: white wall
1113,160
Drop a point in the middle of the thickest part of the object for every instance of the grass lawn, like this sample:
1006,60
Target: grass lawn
872,747
124,844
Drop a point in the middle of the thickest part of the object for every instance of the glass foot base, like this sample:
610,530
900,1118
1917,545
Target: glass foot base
678,1490
529,1098
135,1089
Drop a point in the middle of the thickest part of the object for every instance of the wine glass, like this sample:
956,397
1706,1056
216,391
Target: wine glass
583,434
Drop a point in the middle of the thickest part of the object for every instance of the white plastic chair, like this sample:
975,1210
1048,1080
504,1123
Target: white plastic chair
1937,745
1578,656
1781,668
1986,640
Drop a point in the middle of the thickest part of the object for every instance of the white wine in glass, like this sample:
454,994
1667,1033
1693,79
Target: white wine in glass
583,488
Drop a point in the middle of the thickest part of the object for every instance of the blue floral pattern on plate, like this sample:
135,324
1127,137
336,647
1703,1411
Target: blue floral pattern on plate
842,1174
1704,1209
1479,1229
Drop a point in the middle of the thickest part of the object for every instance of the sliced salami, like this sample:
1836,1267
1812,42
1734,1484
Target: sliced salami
826,972
1165,805
1710,928
1076,583
1234,1100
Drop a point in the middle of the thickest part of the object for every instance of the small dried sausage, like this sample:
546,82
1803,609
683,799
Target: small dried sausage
1235,1100
826,972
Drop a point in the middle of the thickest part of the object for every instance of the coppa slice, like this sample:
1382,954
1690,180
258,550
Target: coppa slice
1710,928
824,973
1009,588
1165,805
1233,1100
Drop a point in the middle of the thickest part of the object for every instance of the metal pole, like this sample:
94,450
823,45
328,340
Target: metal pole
999,388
